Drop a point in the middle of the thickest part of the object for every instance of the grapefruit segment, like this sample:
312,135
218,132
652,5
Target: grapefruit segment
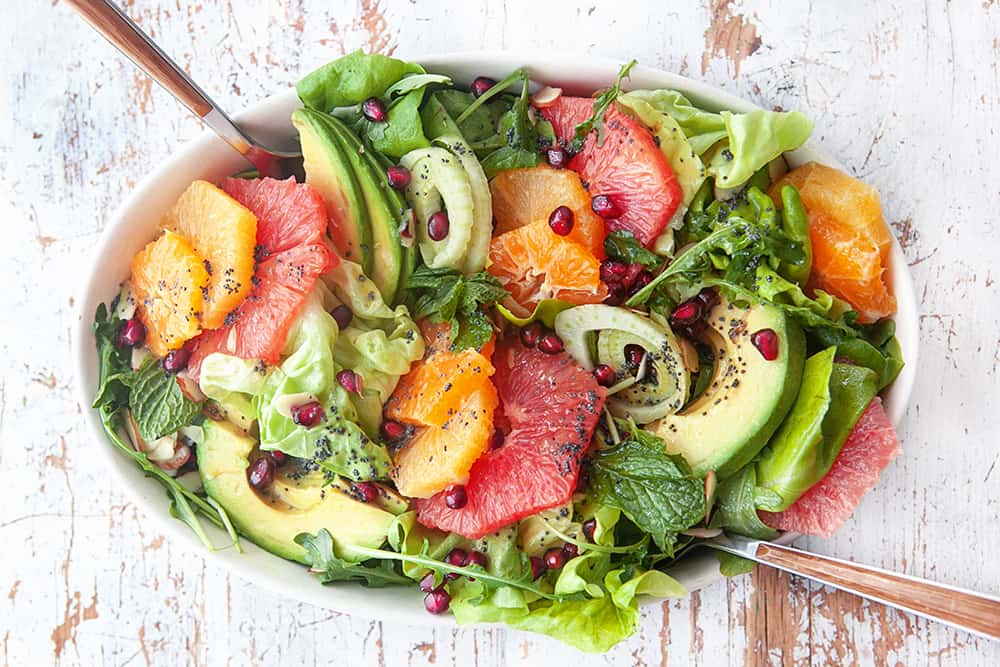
550,407
169,280
824,508
628,167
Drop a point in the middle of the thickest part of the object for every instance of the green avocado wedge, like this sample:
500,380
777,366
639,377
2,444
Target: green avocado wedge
748,396
295,503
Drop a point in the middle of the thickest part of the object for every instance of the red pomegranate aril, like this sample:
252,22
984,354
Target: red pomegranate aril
708,298
343,316
279,457
686,314
457,557
531,333
612,271
308,414
374,110
556,156
605,375
176,360
570,551
582,480
261,472
131,333
631,273
616,294
478,558
437,601
496,440
398,177
427,583
589,526
550,343
641,280
604,206
554,558
366,492
437,226
634,354
456,497
561,220
392,431
538,567
481,84
766,342
349,380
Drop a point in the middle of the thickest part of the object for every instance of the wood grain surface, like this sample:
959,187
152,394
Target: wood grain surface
905,93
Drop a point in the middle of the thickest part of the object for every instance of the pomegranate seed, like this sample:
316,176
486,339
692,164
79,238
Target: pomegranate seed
537,567
496,440
612,271
631,274
766,342
279,457
366,492
456,497
616,294
554,558
556,157
308,414
641,280
398,177
570,551
261,472
481,84
131,333
550,343
686,314
427,583
374,110
478,558
176,360
708,298
531,333
457,557
349,380
589,526
561,220
605,375
634,354
437,601
392,431
604,206
582,480
437,226
343,315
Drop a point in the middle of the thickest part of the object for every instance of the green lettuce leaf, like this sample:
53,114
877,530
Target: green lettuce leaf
737,500
402,131
352,79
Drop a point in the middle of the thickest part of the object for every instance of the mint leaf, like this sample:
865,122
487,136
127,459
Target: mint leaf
158,405
656,490
445,295
623,246
330,569
601,104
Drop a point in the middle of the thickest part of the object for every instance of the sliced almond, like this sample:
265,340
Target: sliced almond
546,97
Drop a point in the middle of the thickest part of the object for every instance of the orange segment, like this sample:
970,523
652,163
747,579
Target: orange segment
438,457
224,233
168,278
534,263
851,242
433,391
523,196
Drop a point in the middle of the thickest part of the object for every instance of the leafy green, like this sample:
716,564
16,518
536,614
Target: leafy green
402,131
703,128
328,568
601,104
159,407
351,79
480,129
731,565
114,364
622,245
445,295
737,500
796,225
656,490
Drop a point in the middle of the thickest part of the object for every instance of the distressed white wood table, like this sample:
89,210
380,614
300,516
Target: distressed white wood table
907,94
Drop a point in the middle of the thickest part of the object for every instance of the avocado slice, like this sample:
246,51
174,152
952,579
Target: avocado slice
748,396
298,501
328,169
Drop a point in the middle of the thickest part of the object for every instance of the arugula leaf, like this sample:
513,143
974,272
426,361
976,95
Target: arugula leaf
158,405
324,563
601,104
656,490
445,295
114,364
738,498
623,246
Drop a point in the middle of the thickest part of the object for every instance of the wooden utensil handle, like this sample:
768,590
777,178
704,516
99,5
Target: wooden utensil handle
962,608
119,29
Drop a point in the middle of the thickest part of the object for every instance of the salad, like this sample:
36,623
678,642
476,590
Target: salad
521,350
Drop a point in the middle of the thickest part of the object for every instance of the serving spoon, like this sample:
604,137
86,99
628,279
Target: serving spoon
273,156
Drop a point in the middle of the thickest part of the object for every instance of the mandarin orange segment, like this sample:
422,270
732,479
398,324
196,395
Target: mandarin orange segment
433,391
851,242
534,263
224,233
168,279
439,456
523,196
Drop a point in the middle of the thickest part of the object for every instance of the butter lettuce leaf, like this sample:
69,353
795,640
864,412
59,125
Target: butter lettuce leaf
352,79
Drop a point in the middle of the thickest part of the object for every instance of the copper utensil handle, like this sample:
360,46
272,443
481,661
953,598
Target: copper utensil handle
975,612
105,17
